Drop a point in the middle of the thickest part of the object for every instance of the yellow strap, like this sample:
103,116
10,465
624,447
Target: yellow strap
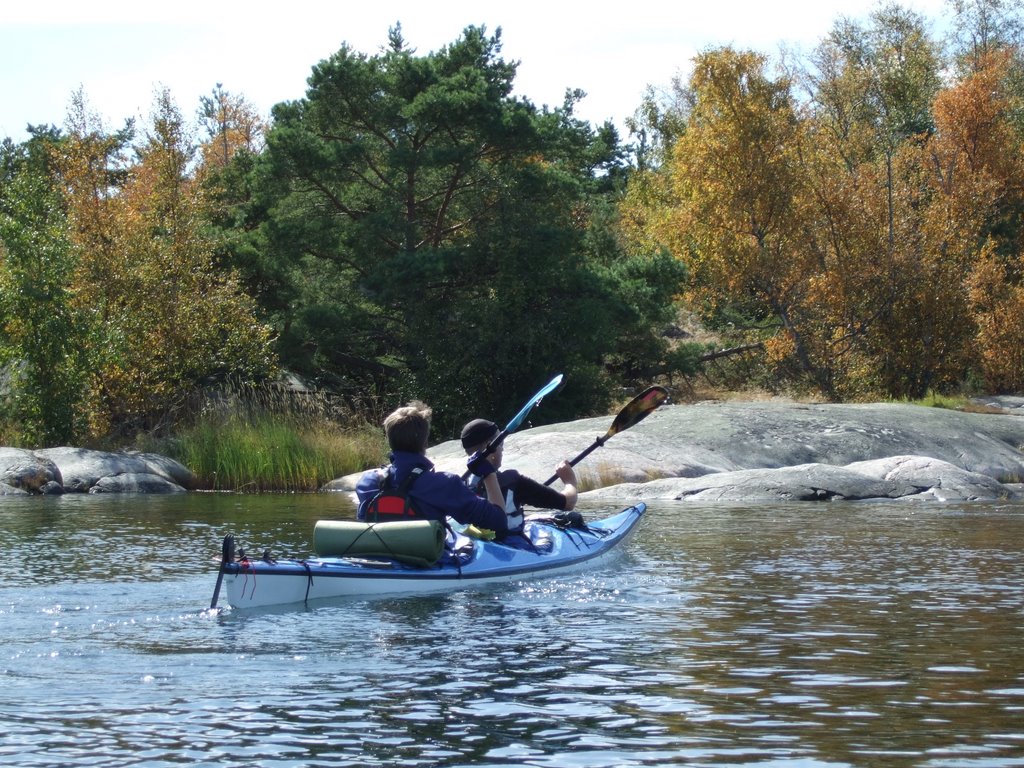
479,533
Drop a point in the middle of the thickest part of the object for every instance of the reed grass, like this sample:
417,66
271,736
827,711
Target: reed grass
953,403
272,453
263,440
604,475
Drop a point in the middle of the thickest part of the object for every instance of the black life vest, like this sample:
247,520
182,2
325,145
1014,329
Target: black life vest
392,504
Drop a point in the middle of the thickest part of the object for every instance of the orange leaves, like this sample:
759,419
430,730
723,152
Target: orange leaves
998,308
971,118
232,125
163,316
868,234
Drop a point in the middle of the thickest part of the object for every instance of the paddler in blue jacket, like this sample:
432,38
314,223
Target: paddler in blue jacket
435,495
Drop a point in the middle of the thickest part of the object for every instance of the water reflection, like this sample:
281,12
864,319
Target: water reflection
808,635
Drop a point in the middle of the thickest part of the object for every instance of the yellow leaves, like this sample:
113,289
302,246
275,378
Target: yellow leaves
732,180
864,241
164,318
779,348
998,309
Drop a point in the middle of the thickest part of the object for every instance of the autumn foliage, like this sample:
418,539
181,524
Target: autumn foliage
412,229
149,317
862,208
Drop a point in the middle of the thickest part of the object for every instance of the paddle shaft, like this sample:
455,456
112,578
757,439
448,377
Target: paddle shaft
596,444
635,411
226,555
216,589
593,446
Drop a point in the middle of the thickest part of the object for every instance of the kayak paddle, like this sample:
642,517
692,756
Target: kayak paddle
635,411
520,417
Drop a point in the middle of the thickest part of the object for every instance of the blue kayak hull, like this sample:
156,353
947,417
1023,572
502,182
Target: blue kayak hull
254,583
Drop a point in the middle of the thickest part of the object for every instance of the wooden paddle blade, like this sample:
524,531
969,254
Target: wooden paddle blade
634,411
638,408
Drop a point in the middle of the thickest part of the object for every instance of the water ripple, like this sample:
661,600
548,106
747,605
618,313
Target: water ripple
793,636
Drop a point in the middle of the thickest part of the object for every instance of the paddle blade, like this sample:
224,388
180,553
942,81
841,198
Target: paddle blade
518,419
227,556
634,411
547,389
638,408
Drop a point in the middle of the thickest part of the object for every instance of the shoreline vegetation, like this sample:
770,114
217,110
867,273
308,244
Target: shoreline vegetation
275,453
846,223
268,445
271,439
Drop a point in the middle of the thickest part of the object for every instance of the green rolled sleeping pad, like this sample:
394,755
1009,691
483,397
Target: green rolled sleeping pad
416,542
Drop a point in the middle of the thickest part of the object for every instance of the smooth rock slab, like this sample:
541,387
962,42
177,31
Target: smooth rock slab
935,479
26,471
135,482
82,468
900,477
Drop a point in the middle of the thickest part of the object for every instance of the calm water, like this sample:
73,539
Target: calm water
794,635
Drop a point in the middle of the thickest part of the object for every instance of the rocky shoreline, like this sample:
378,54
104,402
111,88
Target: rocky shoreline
50,471
761,451
785,451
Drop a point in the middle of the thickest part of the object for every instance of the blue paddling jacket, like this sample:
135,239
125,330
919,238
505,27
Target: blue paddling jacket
435,495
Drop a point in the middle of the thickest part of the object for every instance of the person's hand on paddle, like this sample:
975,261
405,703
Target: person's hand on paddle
635,411
566,473
570,491
479,465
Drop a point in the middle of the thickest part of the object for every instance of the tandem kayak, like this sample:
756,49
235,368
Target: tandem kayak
556,547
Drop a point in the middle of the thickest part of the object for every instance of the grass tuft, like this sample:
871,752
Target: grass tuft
953,403
604,475
259,440
272,453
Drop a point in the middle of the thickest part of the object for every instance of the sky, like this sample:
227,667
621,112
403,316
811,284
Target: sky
119,53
